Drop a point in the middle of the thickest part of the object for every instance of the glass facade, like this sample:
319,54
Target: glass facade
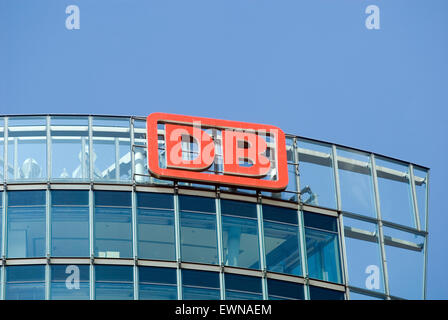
82,218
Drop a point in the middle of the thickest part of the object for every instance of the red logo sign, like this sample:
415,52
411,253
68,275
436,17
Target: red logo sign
211,151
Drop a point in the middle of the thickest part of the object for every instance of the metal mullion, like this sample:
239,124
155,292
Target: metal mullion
3,282
380,227
302,242
132,137
425,263
177,240
220,246
91,164
48,149
343,253
5,150
414,197
47,242
134,243
91,245
262,253
4,221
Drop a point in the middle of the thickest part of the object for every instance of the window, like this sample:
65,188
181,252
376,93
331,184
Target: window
70,282
113,224
69,223
70,156
318,293
2,143
157,283
405,263
114,282
240,234
200,285
322,247
355,180
111,149
281,238
198,229
316,174
284,290
25,282
363,255
26,224
27,149
239,287
155,223
395,192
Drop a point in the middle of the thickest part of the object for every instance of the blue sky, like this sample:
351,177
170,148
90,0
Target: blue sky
310,67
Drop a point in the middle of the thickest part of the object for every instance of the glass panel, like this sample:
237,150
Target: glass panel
316,174
27,149
155,226
284,290
404,249
1,223
395,192
359,296
322,249
70,223
239,287
281,238
198,229
157,283
421,176
113,224
318,293
25,282
26,224
70,282
111,149
363,255
240,234
355,182
200,285
70,148
114,283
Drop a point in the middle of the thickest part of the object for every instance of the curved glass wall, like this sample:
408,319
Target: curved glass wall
81,218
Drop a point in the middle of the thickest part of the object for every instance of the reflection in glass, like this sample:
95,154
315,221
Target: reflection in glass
281,238
359,296
318,293
114,282
70,282
155,226
355,182
111,149
69,223
70,148
200,285
240,234
27,149
26,224
113,224
395,192
157,283
25,282
404,249
322,247
316,174
363,255
198,229
239,287
284,290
